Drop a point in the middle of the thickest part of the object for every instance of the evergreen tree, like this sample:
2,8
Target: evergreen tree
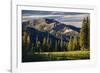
48,43
25,43
70,44
44,44
58,48
38,46
85,34
65,46
33,49
36,40
61,44
75,43
56,45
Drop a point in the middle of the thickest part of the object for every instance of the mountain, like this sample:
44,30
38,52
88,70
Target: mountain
34,33
63,26
51,21
43,27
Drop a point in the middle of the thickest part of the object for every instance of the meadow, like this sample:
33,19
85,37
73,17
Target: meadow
57,56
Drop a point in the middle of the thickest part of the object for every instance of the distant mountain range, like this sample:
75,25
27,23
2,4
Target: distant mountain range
49,28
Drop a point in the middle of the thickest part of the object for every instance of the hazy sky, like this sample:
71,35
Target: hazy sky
70,18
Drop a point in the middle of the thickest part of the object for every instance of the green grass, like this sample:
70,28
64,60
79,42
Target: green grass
76,54
57,56
72,55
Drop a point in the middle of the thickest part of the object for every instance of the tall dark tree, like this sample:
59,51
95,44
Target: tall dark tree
25,43
76,43
48,43
44,44
65,46
70,44
38,46
85,34
56,43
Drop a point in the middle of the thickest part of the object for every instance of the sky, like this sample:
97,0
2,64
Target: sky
69,18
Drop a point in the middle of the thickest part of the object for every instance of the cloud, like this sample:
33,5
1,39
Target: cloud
81,16
35,12
41,16
64,17
77,24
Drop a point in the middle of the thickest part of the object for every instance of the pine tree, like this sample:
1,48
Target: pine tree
36,40
33,50
38,46
85,34
61,42
25,43
58,48
48,43
65,46
75,43
56,45
70,44
44,44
